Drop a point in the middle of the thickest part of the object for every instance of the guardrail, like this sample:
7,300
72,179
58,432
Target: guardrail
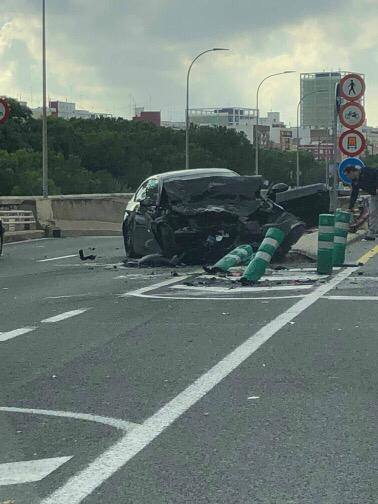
18,220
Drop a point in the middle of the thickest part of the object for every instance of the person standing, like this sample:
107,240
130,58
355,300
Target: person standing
365,179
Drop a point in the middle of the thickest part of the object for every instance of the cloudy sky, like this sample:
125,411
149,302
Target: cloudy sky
108,55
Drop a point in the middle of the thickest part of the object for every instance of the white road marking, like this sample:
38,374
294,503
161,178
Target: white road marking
219,298
113,422
64,316
227,290
78,487
27,241
155,286
56,258
69,296
279,278
5,336
352,298
16,473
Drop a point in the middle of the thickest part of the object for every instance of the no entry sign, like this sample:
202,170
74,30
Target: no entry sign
352,87
4,110
352,142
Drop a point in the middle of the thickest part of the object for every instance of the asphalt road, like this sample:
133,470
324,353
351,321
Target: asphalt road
131,386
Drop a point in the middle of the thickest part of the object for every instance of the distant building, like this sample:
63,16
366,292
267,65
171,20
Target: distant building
68,110
153,117
371,135
176,125
241,119
317,108
38,112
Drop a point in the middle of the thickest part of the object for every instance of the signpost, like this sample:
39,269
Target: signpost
349,109
4,110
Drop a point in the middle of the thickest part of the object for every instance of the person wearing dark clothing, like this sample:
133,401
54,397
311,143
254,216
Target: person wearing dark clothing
365,179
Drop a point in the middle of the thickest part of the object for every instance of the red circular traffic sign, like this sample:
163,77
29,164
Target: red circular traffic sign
352,87
352,143
352,115
4,110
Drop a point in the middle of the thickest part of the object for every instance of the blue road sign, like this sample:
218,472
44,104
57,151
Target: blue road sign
351,161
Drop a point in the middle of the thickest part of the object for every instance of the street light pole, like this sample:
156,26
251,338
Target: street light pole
187,102
258,114
298,139
45,177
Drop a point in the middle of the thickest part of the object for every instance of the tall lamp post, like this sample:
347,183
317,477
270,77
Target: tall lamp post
45,177
257,117
187,102
298,139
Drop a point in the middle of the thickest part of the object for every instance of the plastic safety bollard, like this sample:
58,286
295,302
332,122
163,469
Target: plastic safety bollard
256,268
237,257
342,223
325,243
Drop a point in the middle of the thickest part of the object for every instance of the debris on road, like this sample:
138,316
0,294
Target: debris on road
239,256
257,267
90,257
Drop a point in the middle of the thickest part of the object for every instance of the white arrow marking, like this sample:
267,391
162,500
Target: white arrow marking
29,471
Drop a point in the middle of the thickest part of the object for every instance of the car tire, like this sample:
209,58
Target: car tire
128,242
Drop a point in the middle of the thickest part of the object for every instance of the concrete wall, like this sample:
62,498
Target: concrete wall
77,207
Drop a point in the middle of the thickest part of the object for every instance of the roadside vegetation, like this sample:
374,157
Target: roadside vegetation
115,155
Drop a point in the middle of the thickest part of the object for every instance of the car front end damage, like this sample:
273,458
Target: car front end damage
203,219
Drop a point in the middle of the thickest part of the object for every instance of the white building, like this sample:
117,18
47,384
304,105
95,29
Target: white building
68,110
240,119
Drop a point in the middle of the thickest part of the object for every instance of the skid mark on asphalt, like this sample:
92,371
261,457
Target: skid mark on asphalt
80,486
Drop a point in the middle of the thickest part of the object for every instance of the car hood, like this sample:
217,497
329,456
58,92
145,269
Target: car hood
235,195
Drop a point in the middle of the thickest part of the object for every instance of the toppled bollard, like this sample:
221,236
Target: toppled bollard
342,223
237,257
256,268
83,257
325,243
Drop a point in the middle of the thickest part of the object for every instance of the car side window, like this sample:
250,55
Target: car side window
141,192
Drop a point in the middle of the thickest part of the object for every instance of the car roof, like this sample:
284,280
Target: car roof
195,173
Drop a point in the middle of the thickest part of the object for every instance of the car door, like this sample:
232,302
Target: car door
144,209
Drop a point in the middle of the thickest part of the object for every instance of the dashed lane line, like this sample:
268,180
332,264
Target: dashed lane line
5,336
64,316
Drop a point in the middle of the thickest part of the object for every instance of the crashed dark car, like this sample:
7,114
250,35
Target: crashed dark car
200,215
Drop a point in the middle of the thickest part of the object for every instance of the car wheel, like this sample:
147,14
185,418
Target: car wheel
128,241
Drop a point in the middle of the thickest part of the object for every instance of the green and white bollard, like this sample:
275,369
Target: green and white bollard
256,268
237,257
342,223
325,243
